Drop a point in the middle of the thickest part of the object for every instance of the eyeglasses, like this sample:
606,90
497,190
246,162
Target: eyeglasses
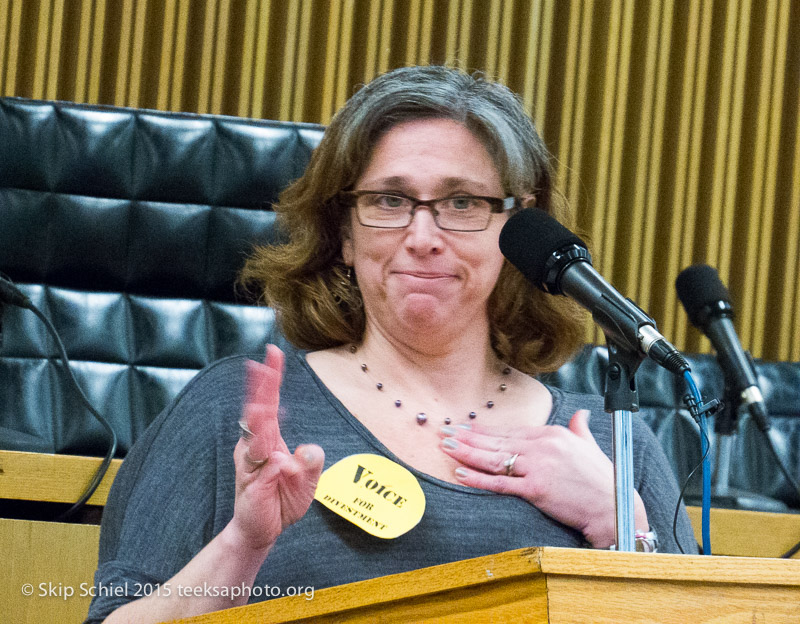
463,213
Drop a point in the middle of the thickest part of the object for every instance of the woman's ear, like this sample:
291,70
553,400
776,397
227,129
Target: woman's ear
348,254
528,201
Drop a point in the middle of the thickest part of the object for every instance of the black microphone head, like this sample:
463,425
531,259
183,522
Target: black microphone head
703,294
531,239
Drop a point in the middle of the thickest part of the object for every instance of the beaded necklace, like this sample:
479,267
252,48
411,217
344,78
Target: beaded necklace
422,417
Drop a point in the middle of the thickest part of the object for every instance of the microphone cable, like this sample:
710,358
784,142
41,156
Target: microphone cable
698,411
708,304
699,416
13,295
791,480
705,444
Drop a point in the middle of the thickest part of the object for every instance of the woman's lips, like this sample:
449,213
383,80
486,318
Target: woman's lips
424,282
417,275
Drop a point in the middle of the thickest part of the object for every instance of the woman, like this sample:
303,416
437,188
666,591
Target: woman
411,338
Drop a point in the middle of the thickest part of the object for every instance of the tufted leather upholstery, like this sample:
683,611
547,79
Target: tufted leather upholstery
127,227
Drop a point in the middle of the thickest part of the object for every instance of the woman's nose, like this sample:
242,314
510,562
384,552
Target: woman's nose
423,234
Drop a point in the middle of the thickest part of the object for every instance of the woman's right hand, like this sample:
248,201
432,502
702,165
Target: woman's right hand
274,487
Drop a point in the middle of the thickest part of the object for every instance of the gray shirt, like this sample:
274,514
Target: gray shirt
175,492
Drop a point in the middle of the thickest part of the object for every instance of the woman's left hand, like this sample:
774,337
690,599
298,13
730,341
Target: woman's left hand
560,470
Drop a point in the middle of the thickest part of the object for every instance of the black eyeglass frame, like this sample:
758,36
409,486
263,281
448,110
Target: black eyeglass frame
498,206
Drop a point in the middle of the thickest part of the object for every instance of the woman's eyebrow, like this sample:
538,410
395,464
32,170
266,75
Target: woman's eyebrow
445,184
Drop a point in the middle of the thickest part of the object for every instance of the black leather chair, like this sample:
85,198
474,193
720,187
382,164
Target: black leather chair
127,228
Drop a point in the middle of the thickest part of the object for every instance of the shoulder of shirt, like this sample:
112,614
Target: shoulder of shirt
219,371
229,369
572,401
222,379
573,395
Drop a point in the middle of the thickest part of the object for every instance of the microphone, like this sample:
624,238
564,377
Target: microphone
708,305
10,294
558,262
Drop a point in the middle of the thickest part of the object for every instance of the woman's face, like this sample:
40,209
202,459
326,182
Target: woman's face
422,278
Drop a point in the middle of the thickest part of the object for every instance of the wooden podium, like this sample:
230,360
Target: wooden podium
555,585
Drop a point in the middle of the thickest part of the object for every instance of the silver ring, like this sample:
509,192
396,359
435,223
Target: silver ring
244,430
509,464
253,462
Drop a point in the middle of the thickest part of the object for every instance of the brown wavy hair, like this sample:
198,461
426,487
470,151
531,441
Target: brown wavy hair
305,279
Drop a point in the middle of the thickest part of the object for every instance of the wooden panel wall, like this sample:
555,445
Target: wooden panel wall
675,122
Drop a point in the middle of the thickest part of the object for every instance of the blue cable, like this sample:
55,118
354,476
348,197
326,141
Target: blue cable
704,449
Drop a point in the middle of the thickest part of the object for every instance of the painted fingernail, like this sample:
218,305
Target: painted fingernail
446,430
461,473
450,443
464,426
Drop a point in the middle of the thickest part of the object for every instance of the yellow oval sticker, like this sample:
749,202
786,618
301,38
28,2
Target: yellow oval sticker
374,493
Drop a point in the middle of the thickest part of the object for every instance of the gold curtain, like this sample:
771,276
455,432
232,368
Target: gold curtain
674,122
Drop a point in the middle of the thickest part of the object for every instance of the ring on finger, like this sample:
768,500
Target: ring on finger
244,430
255,463
509,464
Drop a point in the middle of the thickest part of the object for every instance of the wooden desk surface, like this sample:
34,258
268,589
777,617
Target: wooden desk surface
52,478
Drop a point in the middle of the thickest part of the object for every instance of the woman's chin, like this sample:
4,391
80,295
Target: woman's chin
422,316
423,312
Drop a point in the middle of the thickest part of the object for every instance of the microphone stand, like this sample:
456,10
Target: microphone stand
622,399
722,494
